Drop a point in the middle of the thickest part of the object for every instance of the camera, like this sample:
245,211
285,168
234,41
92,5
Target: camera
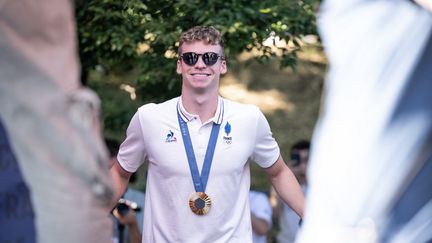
123,206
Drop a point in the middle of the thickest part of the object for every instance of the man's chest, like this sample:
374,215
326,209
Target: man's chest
166,150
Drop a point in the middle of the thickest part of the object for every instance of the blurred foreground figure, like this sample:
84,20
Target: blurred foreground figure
54,164
370,170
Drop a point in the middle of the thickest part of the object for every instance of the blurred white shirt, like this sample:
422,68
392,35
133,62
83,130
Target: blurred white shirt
374,132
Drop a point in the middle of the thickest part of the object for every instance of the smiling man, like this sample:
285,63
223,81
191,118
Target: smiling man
197,147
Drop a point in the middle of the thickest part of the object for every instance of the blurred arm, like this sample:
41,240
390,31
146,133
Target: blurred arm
121,179
134,232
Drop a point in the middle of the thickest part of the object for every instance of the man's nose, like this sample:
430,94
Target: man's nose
200,63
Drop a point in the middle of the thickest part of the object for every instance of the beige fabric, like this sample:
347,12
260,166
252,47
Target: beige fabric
53,124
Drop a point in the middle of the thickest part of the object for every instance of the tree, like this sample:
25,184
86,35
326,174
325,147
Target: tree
136,40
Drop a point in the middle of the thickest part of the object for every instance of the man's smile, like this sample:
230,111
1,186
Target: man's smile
201,74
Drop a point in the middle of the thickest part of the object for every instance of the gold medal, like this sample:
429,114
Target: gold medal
199,203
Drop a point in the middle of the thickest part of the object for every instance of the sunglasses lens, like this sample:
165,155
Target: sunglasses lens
190,58
210,58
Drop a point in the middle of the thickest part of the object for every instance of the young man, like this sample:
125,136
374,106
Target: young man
198,177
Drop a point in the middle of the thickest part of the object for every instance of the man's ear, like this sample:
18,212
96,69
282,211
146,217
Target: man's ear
178,69
223,67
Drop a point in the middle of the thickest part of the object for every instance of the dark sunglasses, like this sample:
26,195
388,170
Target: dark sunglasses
209,58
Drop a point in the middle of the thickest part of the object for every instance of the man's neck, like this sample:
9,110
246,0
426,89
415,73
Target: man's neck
203,105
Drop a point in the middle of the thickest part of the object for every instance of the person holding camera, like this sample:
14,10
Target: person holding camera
127,227
128,213
129,216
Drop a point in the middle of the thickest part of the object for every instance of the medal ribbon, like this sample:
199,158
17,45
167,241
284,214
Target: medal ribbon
200,182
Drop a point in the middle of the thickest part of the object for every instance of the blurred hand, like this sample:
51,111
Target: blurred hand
128,219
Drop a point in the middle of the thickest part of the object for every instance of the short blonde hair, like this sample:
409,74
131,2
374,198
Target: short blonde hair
208,34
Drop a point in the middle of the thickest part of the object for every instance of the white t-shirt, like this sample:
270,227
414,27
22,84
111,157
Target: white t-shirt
260,207
154,134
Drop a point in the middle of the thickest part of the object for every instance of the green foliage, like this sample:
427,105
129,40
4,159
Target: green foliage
140,37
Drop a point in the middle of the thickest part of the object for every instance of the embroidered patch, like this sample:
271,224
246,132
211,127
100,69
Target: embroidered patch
227,139
170,137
